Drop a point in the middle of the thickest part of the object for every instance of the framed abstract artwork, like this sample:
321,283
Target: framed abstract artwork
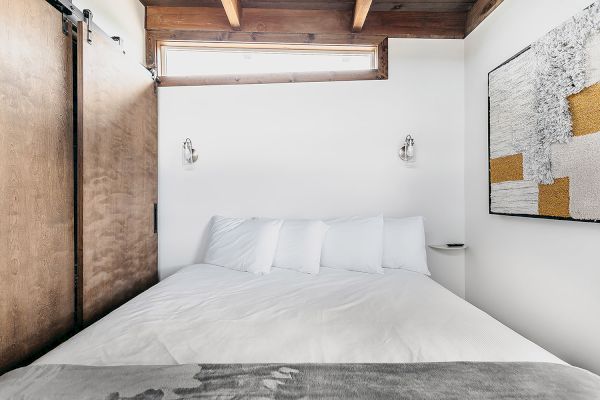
544,125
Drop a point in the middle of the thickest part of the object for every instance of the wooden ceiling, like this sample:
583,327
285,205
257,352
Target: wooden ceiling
343,5
393,18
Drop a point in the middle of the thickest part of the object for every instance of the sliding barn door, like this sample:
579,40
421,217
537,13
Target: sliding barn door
36,180
117,176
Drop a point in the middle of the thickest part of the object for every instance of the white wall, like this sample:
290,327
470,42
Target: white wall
540,277
338,157
319,150
124,18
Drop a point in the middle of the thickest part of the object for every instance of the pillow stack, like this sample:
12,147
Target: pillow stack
355,244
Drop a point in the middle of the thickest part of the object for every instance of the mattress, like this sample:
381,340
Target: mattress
209,314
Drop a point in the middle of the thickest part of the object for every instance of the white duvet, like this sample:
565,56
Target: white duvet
208,314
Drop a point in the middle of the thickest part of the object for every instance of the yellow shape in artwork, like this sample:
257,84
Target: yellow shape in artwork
554,199
505,169
585,110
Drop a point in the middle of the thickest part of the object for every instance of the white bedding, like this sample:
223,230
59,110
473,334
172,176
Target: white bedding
207,314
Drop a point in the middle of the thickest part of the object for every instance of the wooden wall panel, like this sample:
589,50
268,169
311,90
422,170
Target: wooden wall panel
117,175
36,180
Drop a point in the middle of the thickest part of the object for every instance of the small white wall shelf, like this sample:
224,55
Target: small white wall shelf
446,247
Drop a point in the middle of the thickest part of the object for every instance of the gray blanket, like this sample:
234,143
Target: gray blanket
463,381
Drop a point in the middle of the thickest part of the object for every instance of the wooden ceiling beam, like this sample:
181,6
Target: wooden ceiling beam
479,12
361,10
233,10
343,5
444,25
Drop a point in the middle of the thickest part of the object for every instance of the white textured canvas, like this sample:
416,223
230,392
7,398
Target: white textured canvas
592,50
529,94
512,102
519,197
570,160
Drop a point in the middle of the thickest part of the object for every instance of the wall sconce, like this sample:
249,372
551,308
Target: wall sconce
189,155
407,152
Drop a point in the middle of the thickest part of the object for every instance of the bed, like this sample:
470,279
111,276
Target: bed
207,318
217,315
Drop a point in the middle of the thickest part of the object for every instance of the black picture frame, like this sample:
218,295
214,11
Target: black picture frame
490,212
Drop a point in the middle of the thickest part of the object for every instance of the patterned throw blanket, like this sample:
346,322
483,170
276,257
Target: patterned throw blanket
462,381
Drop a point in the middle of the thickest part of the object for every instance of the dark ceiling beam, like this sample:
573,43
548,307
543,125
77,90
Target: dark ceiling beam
447,25
233,10
361,10
479,12
342,5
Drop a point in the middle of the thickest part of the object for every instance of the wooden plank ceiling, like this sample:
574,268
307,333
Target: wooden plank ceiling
453,19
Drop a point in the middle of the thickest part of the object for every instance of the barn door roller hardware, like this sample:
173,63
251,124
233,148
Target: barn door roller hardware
64,6
88,16
69,12
117,39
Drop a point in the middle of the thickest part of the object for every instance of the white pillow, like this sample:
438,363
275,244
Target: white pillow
404,244
243,244
299,247
354,244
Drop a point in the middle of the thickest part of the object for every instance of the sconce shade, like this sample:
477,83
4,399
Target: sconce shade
189,154
407,152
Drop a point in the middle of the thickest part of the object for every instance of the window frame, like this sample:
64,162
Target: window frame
159,40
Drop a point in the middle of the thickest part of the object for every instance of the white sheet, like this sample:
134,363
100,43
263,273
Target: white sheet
214,315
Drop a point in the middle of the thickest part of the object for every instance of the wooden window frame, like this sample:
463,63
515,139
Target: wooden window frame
157,39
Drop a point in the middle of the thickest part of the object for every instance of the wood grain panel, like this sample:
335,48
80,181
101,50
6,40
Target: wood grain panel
426,5
343,5
233,10
117,144
392,24
361,10
479,12
36,180
432,25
